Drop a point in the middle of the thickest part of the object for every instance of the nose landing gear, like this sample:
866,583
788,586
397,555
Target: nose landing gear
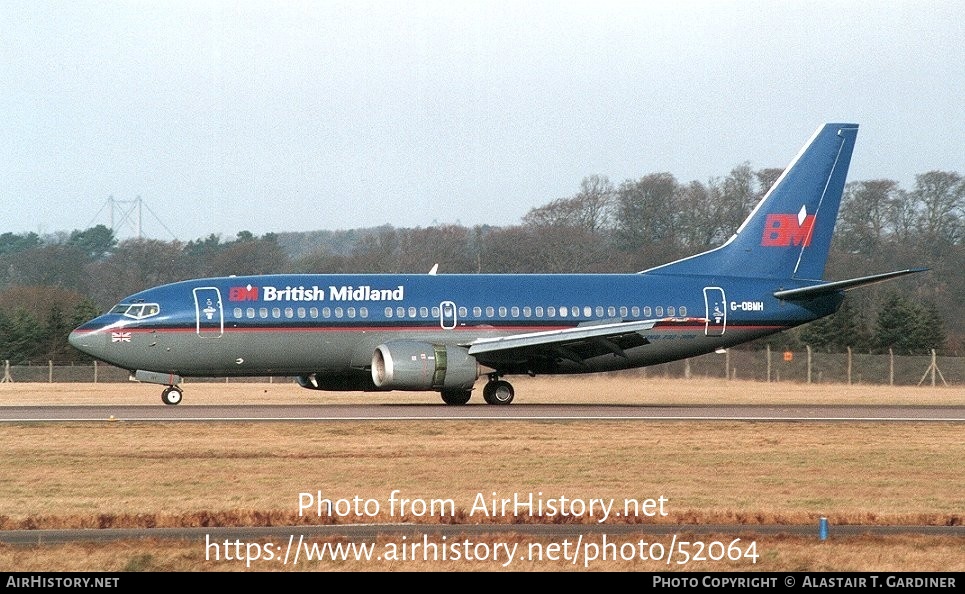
171,395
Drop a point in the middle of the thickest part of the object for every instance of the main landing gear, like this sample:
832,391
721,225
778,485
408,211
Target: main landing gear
496,391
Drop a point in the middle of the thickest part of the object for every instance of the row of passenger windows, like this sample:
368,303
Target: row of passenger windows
477,312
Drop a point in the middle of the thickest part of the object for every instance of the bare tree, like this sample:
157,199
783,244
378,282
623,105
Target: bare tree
940,199
864,214
589,210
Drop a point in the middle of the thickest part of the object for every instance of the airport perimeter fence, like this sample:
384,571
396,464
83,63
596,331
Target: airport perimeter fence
805,366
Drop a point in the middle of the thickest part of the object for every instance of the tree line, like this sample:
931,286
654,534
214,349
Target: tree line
50,284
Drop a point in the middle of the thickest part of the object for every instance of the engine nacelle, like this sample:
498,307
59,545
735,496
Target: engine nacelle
411,365
336,382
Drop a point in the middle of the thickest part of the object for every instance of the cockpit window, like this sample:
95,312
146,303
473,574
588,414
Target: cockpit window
138,311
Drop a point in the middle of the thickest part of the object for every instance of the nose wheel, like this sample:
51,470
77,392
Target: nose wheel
171,395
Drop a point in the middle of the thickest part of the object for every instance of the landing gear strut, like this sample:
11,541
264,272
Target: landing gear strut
498,391
171,395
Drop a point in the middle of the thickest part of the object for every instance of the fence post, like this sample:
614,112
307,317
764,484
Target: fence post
809,363
768,362
891,366
50,371
95,372
849,366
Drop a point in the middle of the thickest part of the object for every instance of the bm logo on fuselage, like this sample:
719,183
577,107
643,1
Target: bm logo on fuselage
248,293
785,230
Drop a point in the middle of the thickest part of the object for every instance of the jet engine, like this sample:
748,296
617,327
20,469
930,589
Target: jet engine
411,365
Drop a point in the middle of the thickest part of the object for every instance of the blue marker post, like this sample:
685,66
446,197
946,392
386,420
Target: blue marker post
823,528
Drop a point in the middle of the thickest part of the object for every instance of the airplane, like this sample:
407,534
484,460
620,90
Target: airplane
442,332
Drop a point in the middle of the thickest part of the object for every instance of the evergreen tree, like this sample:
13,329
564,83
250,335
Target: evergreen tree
929,330
907,327
835,333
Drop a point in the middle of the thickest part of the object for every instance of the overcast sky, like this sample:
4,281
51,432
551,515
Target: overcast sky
298,116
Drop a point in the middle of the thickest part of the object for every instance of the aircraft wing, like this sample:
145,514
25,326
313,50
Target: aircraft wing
576,344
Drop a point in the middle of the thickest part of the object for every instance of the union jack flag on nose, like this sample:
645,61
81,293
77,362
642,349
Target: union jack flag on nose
120,337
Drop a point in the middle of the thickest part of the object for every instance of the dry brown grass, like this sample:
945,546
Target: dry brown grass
611,388
776,554
124,474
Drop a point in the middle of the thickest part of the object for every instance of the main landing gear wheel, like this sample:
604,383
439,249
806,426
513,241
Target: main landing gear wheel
456,397
171,395
498,392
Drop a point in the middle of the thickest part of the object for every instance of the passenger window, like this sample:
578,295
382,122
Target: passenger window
515,312
238,313
424,312
502,312
412,312
683,310
388,312
301,312
623,311
350,312
539,312
463,312
490,312
599,311
363,312
289,312
338,312
263,312
276,312
250,313
400,311
436,312
611,311
527,311
659,310
647,311
671,311
635,311
551,312
477,312
326,312
313,312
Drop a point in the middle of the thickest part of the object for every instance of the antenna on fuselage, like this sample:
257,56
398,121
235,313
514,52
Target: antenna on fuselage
434,269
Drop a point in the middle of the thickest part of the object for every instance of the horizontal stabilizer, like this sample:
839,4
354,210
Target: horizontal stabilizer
811,292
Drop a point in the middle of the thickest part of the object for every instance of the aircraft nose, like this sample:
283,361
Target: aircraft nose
75,339
82,341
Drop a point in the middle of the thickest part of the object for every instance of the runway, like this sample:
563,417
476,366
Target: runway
517,412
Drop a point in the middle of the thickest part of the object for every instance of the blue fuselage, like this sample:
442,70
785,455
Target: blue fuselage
331,324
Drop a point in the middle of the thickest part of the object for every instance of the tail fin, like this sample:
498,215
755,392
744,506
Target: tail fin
788,234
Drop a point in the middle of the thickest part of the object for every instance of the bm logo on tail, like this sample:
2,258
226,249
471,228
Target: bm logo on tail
785,230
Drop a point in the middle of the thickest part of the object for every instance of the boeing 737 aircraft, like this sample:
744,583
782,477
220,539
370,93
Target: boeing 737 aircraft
441,332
